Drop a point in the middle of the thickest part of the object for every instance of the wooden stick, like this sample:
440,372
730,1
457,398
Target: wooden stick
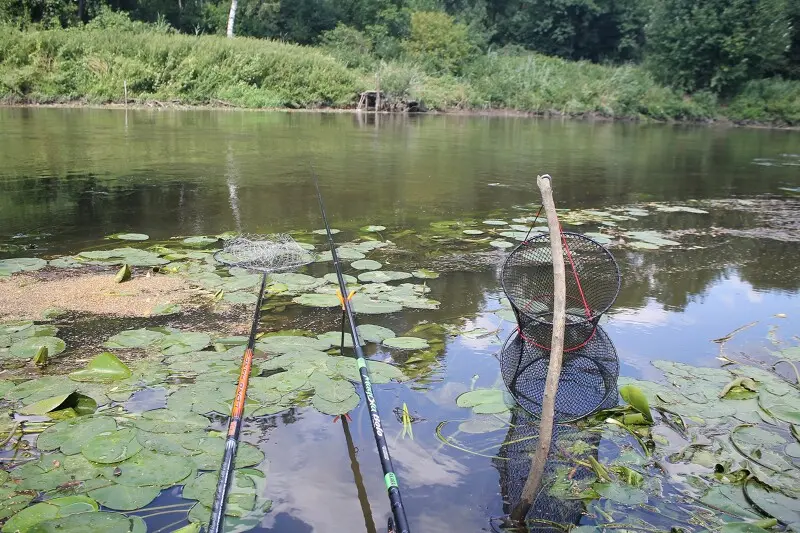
534,481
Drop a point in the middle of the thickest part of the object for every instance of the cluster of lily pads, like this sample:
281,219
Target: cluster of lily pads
725,440
22,341
104,451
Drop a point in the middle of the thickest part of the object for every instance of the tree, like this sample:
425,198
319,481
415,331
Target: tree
717,44
438,42
232,17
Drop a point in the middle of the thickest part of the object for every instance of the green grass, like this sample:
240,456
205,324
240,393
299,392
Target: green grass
91,64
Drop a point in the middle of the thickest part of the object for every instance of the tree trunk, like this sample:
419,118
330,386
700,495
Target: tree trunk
232,17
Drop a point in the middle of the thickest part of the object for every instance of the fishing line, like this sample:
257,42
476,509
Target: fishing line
393,490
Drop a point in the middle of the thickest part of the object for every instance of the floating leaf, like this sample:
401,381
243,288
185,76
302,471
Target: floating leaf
64,262
165,309
651,237
40,359
134,338
624,494
424,273
495,222
366,306
290,343
501,244
240,298
43,407
103,368
373,229
335,408
69,435
100,522
179,342
382,276
129,236
150,469
27,348
600,238
775,503
166,421
473,232
637,399
365,264
124,497
112,446
334,338
27,519
20,264
317,300
323,231
485,401
348,253
241,498
199,241
406,343
376,334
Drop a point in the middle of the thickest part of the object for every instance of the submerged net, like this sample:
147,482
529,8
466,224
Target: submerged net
264,253
588,380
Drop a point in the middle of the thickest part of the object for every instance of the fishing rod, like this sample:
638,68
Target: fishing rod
265,254
399,513
235,422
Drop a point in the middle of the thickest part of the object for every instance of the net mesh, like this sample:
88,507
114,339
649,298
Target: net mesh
588,380
592,285
264,253
551,510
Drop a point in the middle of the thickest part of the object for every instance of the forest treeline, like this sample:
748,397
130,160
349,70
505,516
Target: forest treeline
673,59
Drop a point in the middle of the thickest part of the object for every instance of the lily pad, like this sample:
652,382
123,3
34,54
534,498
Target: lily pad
486,401
199,241
501,244
366,264
129,236
103,368
20,264
165,309
640,245
334,338
600,238
376,334
406,343
147,468
27,348
290,343
179,342
317,300
624,494
373,229
112,446
241,498
69,435
64,262
166,421
134,338
424,273
240,298
495,222
382,276
100,522
651,237
473,232
323,231
348,253
27,519
363,305
349,280
124,497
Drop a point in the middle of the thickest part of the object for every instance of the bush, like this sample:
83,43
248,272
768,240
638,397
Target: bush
93,63
348,45
772,100
438,42
716,44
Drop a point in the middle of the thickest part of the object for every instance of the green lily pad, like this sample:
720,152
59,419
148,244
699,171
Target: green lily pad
366,264
134,338
349,280
373,229
406,343
640,245
363,305
105,367
69,435
624,494
473,232
27,519
129,236
27,348
376,334
382,276
323,231
486,401
98,522
13,501
495,222
20,264
241,498
112,446
424,273
327,407
47,405
199,241
124,497
65,262
348,253
600,238
317,300
501,244
775,503
165,309
166,421
290,343
651,237
179,342
334,338
147,468
240,298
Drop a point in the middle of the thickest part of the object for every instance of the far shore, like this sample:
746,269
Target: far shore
511,113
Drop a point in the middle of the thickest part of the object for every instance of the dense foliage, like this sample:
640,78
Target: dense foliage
461,53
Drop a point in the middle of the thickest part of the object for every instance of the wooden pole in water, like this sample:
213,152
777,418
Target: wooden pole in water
377,92
125,88
534,481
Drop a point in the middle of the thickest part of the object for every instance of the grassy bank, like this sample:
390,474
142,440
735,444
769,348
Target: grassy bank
91,65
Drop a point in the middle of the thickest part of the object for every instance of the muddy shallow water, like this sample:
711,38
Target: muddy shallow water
70,177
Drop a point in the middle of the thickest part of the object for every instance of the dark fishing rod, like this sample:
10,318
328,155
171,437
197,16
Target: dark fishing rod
399,513
235,423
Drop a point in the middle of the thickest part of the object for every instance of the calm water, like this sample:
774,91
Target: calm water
70,177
